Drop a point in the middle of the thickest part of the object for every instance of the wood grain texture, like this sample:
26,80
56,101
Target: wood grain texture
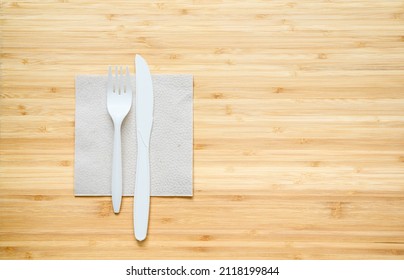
298,128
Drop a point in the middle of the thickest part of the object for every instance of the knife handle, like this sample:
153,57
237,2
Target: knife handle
116,184
142,190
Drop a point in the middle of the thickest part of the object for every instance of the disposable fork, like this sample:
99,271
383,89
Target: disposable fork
119,102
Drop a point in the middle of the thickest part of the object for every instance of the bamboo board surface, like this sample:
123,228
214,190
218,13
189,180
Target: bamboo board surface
298,128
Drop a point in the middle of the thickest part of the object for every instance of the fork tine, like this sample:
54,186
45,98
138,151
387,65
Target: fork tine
121,81
127,84
116,85
110,81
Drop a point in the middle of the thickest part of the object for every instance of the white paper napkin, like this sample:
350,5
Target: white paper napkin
171,147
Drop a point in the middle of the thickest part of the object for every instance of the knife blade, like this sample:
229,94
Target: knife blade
144,123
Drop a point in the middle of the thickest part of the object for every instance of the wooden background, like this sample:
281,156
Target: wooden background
298,128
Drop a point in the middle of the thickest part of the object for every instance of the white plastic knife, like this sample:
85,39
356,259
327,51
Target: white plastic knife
144,122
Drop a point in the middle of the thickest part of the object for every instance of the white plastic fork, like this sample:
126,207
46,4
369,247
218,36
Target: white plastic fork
119,102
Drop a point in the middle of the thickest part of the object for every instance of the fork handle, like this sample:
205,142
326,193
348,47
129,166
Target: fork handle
117,169
142,190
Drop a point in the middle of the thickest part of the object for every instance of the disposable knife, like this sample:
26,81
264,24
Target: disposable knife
144,123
